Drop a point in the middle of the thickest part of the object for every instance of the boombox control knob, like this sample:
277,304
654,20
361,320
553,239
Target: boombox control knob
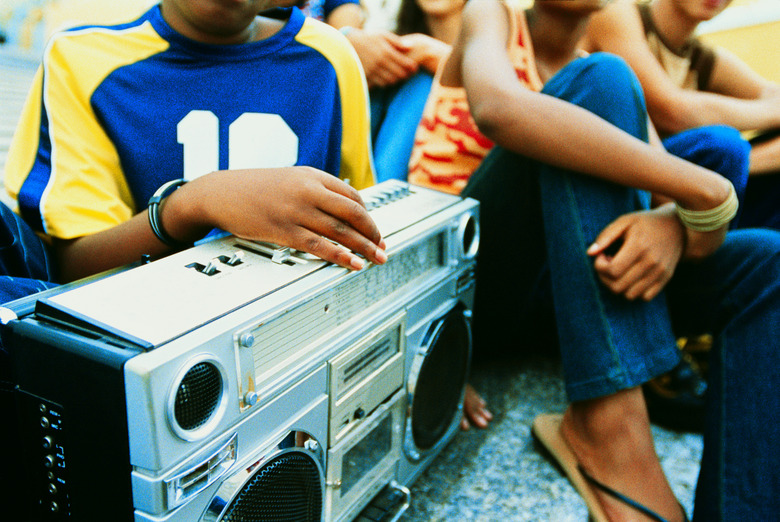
250,398
246,340
359,413
48,461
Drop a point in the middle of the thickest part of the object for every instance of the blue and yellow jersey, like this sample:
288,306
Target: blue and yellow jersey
117,111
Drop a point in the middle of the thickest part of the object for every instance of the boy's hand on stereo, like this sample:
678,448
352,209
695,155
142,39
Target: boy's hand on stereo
636,255
299,207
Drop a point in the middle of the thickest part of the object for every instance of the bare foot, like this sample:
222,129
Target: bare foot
612,440
475,410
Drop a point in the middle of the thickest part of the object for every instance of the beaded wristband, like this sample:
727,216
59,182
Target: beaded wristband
712,219
154,213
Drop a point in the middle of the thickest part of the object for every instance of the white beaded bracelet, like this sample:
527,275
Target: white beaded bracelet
712,219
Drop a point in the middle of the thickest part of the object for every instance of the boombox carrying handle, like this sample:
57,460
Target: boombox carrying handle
402,506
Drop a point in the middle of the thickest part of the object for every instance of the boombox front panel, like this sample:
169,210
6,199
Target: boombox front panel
365,460
455,295
283,339
236,341
302,409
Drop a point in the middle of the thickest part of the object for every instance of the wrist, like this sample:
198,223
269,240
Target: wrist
703,192
154,211
713,218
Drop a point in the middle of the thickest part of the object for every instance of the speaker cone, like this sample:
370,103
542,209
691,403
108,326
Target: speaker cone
436,388
287,487
198,396
198,399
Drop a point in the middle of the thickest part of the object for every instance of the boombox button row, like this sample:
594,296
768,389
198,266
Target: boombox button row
382,198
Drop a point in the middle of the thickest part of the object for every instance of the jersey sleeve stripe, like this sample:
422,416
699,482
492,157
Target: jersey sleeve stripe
356,156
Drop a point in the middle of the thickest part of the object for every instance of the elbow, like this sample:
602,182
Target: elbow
491,116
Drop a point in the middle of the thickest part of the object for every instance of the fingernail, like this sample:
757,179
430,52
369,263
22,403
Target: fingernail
357,263
381,256
593,248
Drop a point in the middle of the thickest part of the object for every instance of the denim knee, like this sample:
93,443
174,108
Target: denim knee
719,148
605,85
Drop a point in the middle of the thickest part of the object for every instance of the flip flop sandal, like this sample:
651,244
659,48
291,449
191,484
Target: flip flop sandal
546,429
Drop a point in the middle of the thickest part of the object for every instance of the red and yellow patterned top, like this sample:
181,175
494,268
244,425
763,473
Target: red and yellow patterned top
448,147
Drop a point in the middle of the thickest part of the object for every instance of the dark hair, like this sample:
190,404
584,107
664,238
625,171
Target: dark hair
411,19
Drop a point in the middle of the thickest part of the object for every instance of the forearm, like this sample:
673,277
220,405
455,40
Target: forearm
695,109
117,246
765,157
561,134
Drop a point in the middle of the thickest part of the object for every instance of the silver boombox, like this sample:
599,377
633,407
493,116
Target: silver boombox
239,381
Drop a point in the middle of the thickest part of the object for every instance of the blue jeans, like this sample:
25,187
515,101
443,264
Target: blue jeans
537,223
26,266
723,150
718,148
395,114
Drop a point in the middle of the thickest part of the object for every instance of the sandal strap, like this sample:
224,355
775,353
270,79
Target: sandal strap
611,492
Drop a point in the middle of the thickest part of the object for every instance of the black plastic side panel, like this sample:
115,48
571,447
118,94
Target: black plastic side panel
66,450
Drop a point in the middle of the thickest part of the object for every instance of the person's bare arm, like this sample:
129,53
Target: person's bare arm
735,100
733,77
765,157
297,207
346,15
561,134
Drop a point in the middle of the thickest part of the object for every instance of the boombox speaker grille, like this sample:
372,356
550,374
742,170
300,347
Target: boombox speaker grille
287,488
198,396
442,379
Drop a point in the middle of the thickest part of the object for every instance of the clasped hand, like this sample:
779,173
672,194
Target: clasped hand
636,255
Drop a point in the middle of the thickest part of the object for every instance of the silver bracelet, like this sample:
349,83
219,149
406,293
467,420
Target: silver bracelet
712,219
154,213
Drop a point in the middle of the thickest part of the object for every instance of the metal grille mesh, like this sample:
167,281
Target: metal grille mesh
198,395
288,488
439,390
